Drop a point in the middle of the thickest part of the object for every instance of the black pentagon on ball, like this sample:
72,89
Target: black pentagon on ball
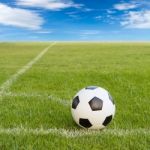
107,120
91,87
110,97
96,104
85,123
75,102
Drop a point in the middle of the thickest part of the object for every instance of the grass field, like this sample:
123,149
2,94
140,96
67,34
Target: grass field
36,90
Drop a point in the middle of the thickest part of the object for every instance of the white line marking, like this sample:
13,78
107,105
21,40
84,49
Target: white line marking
6,85
42,96
72,133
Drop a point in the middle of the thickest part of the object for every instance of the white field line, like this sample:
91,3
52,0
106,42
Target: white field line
6,85
72,133
42,96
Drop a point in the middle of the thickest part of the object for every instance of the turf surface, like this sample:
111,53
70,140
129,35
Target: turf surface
40,97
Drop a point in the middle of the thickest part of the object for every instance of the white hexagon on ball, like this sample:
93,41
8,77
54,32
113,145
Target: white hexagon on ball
93,108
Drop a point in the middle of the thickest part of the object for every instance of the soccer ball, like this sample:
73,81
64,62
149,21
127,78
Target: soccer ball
93,108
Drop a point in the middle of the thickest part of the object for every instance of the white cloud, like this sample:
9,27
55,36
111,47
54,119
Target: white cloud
87,10
49,4
125,6
110,11
44,32
19,17
139,19
90,32
98,17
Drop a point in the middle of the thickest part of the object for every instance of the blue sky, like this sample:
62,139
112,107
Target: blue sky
74,20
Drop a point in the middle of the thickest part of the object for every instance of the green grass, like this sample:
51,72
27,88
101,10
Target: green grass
121,68
15,55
